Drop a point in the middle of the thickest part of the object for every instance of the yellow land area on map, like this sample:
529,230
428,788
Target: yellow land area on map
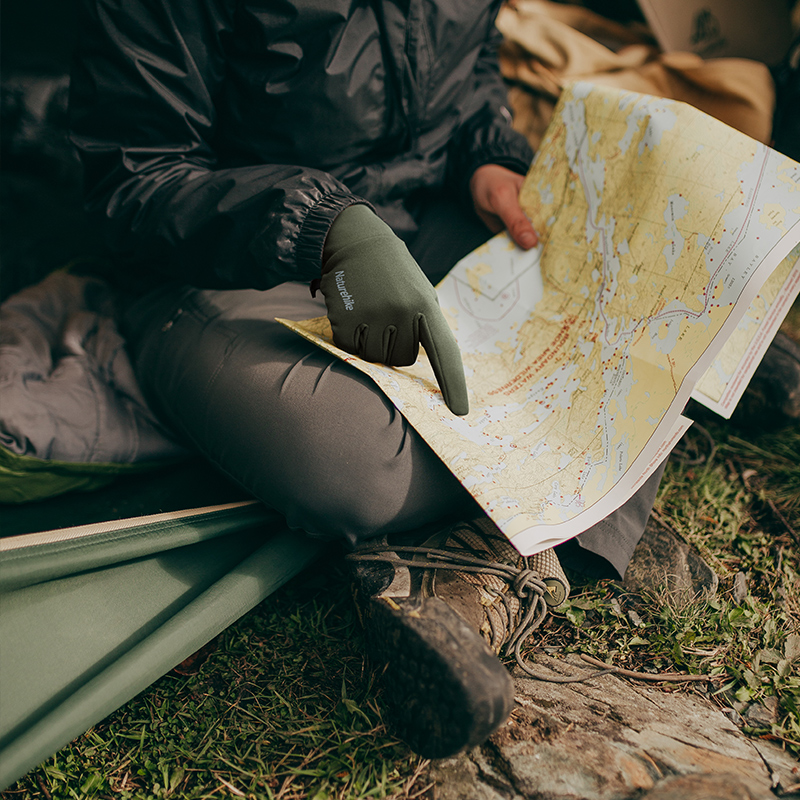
723,384
658,225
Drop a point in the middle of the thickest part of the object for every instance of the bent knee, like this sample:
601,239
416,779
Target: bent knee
362,504
353,511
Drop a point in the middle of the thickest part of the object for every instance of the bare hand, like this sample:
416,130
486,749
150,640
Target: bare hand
495,193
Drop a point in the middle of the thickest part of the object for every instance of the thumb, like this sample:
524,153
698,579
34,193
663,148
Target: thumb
515,220
445,357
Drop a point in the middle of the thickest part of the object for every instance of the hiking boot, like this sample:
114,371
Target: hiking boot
436,613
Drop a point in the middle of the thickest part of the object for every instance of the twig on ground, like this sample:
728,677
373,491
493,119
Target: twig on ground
783,519
43,787
418,771
670,677
230,787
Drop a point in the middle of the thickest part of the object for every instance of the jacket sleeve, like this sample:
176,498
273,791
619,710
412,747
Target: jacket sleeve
142,116
485,135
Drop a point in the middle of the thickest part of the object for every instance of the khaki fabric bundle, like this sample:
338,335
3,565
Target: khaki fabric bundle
548,45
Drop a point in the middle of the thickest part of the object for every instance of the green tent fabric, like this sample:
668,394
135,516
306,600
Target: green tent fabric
91,615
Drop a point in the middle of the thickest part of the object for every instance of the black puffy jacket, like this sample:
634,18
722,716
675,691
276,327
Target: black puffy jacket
220,138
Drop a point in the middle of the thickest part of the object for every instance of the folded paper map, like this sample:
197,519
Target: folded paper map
659,228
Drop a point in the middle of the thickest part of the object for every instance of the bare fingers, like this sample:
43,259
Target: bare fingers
495,193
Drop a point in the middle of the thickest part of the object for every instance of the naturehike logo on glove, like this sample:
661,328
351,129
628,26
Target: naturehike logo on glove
398,310
346,296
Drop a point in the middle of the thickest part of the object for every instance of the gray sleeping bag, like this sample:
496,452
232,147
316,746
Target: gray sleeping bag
71,413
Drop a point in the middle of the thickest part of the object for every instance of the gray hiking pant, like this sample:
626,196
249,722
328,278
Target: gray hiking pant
307,434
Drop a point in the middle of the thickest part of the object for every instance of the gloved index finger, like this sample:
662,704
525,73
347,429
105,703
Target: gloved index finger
445,357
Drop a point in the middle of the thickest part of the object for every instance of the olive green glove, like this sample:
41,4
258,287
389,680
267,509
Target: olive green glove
382,307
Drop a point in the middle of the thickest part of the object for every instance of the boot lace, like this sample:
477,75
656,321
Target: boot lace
526,584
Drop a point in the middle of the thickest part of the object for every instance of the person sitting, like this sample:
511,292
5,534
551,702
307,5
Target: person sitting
237,152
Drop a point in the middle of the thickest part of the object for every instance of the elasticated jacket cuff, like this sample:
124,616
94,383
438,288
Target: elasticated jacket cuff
314,231
289,243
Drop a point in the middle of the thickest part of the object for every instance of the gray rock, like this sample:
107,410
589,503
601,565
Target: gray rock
791,649
704,787
734,716
607,739
662,562
739,588
762,714
460,778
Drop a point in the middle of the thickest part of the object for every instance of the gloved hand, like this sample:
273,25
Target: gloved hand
380,304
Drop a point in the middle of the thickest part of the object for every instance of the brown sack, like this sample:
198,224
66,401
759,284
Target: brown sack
548,45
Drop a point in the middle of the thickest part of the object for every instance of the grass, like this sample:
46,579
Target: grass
740,512
283,704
